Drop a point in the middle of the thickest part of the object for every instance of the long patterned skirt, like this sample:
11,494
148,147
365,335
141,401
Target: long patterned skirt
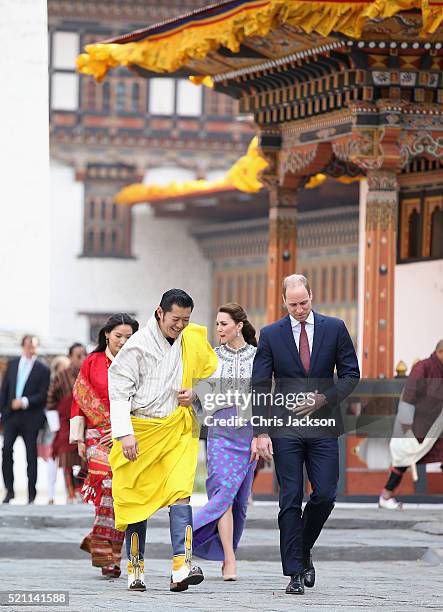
229,483
104,542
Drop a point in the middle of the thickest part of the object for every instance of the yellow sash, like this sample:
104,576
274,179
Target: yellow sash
164,470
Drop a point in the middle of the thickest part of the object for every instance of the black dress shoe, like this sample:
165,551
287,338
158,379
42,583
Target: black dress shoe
309,570
9,495
296,586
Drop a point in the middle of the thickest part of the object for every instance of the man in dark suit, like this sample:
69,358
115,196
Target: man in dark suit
299,354
22,401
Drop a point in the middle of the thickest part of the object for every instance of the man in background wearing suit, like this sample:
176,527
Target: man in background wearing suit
22,401
300,353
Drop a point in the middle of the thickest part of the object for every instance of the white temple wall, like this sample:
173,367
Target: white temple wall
24,163
165,256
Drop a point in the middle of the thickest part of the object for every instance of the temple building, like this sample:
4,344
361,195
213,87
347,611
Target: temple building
127,129
347,91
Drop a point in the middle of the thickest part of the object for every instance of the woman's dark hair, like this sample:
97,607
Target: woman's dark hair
175,296
74,346
238,314
121,318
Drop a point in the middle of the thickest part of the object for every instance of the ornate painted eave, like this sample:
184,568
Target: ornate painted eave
217,204
231,204
335,79
118,11
236,34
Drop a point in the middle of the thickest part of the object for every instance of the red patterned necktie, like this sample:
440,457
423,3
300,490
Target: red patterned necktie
303,347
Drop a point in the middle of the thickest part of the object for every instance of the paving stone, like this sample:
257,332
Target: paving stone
369,567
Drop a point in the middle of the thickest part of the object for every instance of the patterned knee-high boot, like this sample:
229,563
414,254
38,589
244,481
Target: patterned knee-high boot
136,567
183,573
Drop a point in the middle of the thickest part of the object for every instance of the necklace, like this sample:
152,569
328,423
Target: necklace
233,348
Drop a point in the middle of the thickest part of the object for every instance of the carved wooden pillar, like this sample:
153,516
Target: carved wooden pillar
282,246
379,274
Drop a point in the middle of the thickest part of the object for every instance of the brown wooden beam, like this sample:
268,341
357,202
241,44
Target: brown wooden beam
282,247
379,274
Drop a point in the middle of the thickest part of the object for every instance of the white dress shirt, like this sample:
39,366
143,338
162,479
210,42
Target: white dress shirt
25,366
296,330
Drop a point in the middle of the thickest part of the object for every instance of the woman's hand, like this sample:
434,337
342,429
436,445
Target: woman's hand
261,446
106,440
81,449
129,447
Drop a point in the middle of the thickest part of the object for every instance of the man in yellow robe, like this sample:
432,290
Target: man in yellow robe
155,449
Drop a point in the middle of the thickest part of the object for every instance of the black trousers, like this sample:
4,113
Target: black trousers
298,532
27,426
395,476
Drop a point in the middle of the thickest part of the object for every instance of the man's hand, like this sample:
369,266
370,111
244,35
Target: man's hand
81,449
185,397
106,440
16,404
311,405
129,447
261,446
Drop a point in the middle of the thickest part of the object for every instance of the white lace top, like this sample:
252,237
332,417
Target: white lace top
230,385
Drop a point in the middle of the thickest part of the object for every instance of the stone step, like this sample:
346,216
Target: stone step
67,550
256,544
157,522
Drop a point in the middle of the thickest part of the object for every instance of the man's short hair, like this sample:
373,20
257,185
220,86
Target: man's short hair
29,337
439,346
178,297
293,280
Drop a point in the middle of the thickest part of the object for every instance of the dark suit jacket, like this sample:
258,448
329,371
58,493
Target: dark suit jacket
277,358
36,390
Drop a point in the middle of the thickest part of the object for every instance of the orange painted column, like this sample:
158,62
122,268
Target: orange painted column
379,274
282,246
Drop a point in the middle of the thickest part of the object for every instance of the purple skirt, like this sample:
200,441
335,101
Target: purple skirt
229,483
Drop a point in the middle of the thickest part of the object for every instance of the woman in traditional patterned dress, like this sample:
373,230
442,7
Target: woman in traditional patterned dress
218,526
91,429
60,399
